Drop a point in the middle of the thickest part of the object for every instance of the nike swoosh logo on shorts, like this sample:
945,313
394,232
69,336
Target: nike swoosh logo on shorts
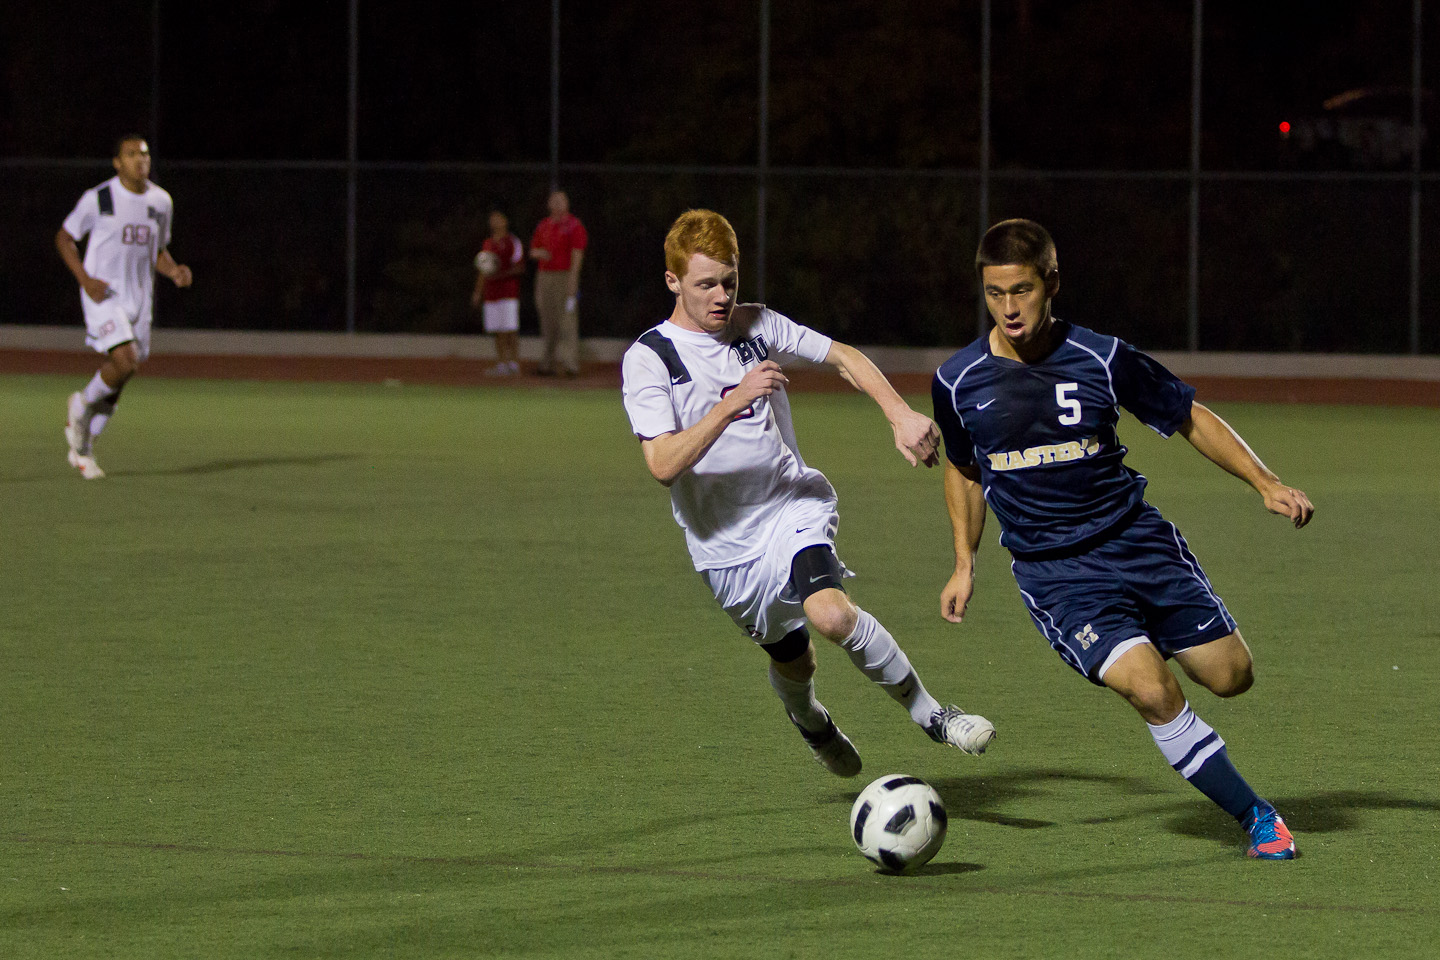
1207,623
985,404
821,577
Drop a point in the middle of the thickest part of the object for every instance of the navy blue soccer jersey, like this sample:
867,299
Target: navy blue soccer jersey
1043,434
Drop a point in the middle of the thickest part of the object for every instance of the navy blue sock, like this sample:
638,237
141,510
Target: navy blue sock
1218,779
1198,754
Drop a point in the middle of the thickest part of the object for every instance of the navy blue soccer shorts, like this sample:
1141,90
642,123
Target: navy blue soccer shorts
1141,585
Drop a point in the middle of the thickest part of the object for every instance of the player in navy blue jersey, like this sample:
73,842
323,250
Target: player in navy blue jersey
1029,416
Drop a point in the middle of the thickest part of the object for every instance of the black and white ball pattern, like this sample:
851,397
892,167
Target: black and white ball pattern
898,822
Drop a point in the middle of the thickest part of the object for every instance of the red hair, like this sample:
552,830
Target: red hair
700,231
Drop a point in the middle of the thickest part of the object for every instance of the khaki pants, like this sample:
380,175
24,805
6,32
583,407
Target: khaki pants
559,328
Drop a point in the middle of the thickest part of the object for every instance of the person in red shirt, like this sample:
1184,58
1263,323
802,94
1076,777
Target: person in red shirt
558,247
497,292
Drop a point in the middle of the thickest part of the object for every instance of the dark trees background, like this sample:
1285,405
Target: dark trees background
873,146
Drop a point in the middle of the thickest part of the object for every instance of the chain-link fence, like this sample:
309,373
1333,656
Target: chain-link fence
1177,227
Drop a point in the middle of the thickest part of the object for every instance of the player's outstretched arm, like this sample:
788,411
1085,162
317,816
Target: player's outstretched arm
1219,443
965,502
178,273
916,436
671,454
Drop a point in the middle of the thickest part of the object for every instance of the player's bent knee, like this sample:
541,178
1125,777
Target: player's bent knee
1241,677
832,613
1157,702
125,361
1224,667
1142,678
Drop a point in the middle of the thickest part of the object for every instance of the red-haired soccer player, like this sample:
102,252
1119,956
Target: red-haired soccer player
128,220
705,394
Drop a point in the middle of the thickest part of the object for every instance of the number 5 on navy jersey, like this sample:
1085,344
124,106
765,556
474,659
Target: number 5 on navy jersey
1068,403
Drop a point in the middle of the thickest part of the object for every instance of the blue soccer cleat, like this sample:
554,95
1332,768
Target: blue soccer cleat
1270,839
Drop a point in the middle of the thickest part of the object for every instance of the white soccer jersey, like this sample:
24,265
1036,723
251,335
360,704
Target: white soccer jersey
728,502
127,232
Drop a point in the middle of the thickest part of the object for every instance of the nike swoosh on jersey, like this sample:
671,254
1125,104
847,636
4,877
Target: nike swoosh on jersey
1207,623
985,404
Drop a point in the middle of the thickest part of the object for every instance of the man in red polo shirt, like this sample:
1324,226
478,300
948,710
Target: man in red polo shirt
558,247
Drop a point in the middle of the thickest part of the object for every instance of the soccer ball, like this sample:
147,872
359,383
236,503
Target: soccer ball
898,822
486,262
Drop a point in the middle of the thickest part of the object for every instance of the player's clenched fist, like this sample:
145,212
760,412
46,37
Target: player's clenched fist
917,438
760,381
96,289
1289,502
955,597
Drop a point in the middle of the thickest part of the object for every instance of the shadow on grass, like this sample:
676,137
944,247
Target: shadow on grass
932,870
214,466
978,797
1188,814
248,463
1333,811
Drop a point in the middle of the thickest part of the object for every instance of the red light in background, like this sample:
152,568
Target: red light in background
1284,128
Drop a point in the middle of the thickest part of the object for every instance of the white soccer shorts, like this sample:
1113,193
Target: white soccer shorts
107,325
757,595
502,316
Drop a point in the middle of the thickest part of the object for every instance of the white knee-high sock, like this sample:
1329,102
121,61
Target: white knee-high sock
799,699
102,412
874,651
96,390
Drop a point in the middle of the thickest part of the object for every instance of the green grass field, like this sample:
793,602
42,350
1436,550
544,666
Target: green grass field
357,671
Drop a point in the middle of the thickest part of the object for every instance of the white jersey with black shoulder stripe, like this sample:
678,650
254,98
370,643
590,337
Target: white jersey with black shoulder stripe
728,502
126,233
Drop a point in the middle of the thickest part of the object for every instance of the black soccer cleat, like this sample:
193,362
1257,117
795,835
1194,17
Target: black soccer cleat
831,748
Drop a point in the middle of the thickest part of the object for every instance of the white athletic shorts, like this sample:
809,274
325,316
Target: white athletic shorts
502,316
757,595
108,324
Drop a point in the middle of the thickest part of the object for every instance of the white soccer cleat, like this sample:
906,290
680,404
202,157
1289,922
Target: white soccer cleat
77,425
832,749
967,732
87,466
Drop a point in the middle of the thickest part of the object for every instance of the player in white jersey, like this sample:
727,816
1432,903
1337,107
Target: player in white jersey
705,393
127,219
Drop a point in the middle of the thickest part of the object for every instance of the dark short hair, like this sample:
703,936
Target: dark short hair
120,142
1022,242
